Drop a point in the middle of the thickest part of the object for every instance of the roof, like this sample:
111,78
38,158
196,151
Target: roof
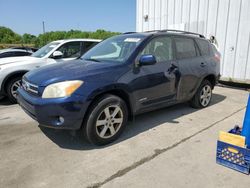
83,40
12,50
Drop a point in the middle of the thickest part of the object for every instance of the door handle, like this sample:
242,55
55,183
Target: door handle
203,64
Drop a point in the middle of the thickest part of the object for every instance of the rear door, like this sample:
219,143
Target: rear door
192,66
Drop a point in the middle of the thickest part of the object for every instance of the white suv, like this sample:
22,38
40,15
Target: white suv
13,68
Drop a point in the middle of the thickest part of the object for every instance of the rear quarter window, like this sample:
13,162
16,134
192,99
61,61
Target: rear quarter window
185,48
22,54
204,47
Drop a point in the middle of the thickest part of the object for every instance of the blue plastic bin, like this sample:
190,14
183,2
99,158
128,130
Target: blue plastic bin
239,161
246,124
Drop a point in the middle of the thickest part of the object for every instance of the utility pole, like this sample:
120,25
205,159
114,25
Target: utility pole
43,27
44,42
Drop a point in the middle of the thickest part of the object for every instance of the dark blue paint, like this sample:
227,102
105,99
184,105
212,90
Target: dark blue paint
146,87
147,60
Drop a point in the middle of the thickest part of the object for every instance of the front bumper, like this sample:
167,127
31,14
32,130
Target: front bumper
51,112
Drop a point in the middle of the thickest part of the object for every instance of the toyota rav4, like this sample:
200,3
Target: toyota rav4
121,77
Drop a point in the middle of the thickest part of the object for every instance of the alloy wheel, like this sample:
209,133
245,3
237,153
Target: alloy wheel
109,121
14,88
205,96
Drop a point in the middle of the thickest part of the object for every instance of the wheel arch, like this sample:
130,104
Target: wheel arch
11,76
117,91
211,78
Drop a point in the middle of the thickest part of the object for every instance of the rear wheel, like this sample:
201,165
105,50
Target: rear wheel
106,120
12,87
203,96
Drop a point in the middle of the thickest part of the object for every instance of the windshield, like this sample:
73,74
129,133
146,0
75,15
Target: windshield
45,50
116,49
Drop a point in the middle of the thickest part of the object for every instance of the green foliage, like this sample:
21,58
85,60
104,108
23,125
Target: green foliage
10,37
28,38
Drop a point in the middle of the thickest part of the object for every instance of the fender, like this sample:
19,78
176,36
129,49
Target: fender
119,89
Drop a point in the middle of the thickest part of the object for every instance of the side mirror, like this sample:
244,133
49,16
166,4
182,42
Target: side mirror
57,55
147,60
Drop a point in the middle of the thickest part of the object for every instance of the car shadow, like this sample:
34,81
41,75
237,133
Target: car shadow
75,141
5,101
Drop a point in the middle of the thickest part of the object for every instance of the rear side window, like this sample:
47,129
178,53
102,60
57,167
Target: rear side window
22,54
185,48
89,45
204,47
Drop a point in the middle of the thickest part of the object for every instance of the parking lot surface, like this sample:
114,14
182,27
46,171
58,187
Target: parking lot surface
172,147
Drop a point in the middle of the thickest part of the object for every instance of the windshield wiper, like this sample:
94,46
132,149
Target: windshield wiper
91,59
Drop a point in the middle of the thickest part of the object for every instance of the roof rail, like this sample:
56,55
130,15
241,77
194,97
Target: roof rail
131,32
153,31
184,32
178,31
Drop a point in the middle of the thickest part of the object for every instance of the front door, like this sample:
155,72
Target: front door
156,84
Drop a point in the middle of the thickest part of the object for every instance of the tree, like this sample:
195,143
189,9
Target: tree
28,38
7,36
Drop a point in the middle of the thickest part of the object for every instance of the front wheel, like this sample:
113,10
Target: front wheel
203,95
106,120
12,87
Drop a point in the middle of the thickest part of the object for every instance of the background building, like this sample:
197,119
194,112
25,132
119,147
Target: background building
228,20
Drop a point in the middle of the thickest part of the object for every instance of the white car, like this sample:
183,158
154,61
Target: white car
13,68
14,53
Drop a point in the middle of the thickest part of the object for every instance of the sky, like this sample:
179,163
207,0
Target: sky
26,16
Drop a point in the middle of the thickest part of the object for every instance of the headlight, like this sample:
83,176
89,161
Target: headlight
61,89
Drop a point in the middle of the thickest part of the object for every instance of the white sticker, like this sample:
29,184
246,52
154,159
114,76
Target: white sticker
132,40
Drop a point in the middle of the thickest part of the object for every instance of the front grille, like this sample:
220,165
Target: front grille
30,88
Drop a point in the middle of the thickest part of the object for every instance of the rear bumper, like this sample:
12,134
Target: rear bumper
61,113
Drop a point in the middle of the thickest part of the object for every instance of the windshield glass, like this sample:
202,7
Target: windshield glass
116,49
45,50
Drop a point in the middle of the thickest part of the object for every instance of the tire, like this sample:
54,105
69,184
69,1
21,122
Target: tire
12,87
203,95
102,126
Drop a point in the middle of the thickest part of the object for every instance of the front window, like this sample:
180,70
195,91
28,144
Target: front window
116,49
45,50
161,48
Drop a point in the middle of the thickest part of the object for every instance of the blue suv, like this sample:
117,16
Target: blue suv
121,77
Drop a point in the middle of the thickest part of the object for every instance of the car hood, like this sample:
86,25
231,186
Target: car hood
10,60
71,70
